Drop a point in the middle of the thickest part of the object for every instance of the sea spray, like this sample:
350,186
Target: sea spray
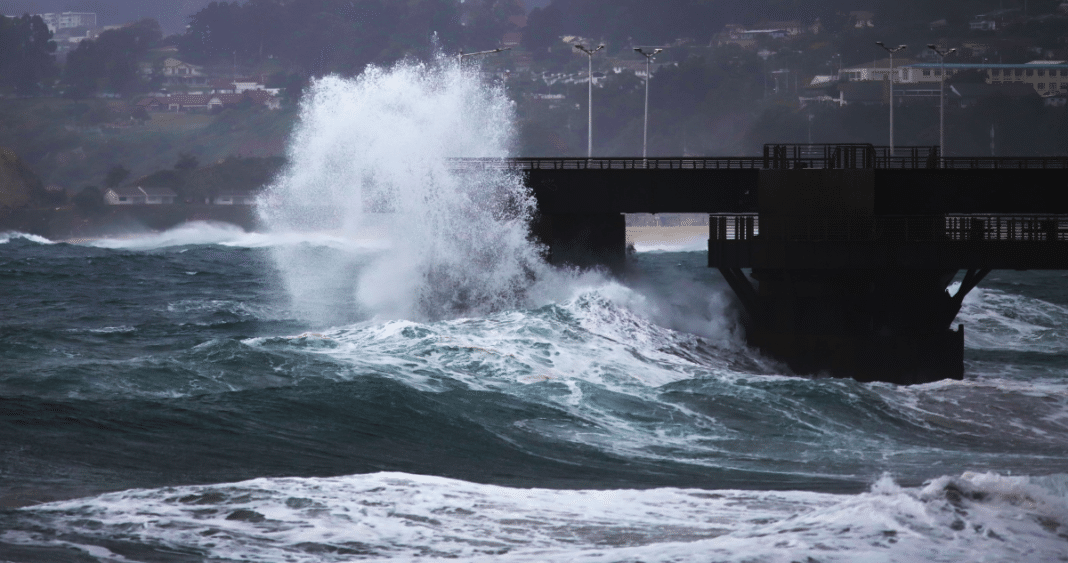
372,157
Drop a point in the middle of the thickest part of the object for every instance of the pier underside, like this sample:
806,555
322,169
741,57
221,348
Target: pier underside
841,256
871,325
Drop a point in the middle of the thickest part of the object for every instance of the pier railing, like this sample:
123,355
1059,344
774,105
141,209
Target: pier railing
921,228
782,157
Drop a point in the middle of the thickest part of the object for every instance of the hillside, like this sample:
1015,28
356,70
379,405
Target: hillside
19,186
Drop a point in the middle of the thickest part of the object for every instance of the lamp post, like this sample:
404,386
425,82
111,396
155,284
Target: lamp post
648,62
942,99
891,51
460,57
589,104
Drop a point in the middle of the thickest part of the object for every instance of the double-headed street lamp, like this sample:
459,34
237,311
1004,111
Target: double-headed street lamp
460,57
891,51
942,98
589,53
648,62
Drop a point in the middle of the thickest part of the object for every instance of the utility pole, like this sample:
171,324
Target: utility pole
648,62
942,100
891,51
589,104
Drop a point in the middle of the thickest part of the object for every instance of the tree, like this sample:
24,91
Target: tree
116,174
111,61
27,63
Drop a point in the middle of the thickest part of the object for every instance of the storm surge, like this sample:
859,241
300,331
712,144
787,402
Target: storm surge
371,159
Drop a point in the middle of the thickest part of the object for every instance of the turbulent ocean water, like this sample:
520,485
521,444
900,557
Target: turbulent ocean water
389,372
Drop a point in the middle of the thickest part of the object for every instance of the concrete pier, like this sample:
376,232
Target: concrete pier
840,255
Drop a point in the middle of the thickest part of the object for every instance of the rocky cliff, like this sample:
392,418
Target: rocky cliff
19,186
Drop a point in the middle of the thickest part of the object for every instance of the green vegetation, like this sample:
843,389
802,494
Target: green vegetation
19,186
110,62
27,66
72,143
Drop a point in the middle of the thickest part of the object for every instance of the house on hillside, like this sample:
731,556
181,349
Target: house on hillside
734,34
209,102
183,75
877,70
792,27
862,19
992,21
136,195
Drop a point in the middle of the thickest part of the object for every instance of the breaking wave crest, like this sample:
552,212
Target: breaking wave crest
974,516
374,152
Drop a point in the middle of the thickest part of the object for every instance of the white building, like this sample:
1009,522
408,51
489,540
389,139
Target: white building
139,196
906,71
68,20
235,198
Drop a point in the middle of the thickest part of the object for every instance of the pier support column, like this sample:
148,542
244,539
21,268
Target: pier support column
871,325
584,239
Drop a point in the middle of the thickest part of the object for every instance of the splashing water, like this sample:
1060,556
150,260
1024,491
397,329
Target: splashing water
371,158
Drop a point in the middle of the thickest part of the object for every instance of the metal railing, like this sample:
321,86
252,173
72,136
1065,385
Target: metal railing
782,157
921,228
711,163
1005,162
733,227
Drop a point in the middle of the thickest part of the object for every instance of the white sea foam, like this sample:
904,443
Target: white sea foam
225,234
387,516
996,320
376,150
8,236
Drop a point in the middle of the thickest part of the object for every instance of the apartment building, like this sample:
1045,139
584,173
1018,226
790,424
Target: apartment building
1048,78
69,20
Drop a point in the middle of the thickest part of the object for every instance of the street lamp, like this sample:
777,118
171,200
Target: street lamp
460,57
589,104
648,62
891,51
942,98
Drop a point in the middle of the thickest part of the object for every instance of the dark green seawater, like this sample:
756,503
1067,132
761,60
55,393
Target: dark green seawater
165,400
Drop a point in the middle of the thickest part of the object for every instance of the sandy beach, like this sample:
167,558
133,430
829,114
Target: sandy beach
668,238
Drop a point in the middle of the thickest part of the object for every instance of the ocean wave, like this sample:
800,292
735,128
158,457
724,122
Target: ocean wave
8,236
385,516
998,320
224,234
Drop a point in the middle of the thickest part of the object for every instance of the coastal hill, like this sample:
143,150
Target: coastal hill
27,207
19,186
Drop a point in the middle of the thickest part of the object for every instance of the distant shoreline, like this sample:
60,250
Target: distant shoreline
66,223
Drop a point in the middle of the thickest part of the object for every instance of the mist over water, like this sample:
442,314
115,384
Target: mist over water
370,162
